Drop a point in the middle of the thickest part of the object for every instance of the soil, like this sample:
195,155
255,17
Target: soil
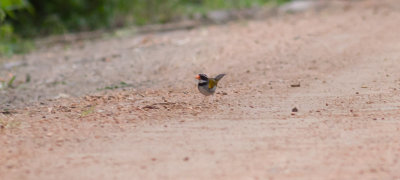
310,95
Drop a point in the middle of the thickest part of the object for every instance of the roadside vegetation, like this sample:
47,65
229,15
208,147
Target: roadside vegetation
22,20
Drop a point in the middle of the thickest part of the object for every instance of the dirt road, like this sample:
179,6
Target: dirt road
345,59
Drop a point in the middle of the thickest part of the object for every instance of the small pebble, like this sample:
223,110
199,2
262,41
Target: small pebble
295,85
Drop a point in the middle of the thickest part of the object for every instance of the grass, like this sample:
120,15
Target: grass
10,82
87,111
122,84
7,84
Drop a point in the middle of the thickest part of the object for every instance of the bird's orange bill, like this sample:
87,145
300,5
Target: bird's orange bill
198,77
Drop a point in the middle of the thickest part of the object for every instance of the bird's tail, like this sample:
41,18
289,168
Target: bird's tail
220,76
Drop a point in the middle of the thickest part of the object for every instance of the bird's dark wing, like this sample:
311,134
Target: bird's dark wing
219,77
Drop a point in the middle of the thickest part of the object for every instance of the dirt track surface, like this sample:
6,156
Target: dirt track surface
345,58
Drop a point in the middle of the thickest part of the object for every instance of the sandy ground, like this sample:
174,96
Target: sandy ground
345,59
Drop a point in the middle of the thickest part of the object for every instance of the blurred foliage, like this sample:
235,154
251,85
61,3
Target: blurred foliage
9,7
33,18
10,42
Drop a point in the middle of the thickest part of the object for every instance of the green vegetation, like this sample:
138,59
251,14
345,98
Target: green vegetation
122,84
10,42
11,81
32,18
87,111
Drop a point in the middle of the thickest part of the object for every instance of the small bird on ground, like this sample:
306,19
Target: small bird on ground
207,86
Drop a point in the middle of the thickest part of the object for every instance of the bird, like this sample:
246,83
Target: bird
207,86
